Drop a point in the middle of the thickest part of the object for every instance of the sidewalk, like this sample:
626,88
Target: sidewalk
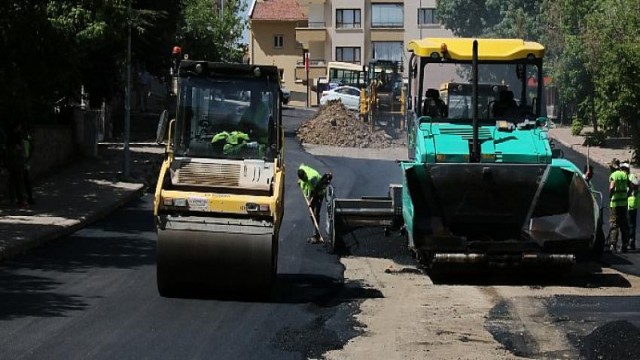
615,148
76,196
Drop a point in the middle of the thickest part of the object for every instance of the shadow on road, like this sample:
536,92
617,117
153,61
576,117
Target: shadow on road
321,290
27,295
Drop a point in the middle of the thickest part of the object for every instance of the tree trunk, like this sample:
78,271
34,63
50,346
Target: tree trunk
594,118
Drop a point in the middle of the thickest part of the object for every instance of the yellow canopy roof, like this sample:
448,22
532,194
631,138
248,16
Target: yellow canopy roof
488,49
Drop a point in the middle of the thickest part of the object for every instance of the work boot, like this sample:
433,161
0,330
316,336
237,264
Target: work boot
612,248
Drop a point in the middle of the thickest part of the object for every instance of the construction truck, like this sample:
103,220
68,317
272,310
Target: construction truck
482,184
383,93
218,203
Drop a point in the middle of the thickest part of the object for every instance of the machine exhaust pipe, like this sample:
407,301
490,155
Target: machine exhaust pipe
475,146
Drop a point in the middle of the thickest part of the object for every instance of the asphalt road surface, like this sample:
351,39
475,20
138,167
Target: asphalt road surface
93,295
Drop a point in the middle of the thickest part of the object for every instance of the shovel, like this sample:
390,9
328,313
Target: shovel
313,218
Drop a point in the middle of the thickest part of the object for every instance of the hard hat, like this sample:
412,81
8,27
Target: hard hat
624,165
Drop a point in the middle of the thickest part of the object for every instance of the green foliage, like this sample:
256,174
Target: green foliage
52,48
210,33
613,35
491,18
35,65
576,126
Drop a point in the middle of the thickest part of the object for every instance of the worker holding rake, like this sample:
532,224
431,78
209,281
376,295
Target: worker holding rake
313,188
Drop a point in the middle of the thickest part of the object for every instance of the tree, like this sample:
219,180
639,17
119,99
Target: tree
97,31
611,38
210,33
34,65
490,18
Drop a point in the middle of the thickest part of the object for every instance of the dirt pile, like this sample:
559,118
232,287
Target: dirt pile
335,125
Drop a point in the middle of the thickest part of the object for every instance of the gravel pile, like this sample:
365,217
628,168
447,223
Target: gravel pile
615,340
335,125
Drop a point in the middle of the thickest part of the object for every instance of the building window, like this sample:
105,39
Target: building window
348,18
348,54
427,16
387,15
388,50
278,41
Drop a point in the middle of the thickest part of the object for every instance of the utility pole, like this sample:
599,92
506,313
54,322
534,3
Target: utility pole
127,100
420,25
306,68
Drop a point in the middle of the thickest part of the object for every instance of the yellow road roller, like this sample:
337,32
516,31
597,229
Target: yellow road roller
218,202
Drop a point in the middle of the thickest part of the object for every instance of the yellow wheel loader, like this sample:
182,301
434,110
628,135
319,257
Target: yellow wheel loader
218,202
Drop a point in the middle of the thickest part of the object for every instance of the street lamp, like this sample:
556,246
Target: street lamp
127,100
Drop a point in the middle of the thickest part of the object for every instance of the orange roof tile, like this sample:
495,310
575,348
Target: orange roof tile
284,10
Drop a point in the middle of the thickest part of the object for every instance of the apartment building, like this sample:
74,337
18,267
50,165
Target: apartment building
355,31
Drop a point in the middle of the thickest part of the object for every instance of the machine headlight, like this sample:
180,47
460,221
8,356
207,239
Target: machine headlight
174,202
253,207
179,202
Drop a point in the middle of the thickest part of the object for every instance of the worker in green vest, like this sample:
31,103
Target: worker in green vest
618,187
313,188
632,208
234,143
27,147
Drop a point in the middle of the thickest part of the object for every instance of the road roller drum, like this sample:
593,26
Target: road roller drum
215,257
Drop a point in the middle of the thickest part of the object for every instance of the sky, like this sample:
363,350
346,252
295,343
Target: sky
245,34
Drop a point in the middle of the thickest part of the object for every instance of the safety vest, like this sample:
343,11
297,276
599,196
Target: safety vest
633,201
234,141
619,196
313,178
26,146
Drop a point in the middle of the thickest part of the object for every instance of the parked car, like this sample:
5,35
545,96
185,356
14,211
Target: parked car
285,95
348,95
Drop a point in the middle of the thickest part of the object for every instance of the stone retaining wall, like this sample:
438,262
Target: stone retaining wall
54,147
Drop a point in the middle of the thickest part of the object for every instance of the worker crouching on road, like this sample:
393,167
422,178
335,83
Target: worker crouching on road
313,187
618,188
633,202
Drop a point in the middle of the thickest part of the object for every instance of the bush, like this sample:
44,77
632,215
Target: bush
595,139
576,126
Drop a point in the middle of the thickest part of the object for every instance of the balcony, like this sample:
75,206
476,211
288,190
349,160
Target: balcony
387,34
317,68
315,31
